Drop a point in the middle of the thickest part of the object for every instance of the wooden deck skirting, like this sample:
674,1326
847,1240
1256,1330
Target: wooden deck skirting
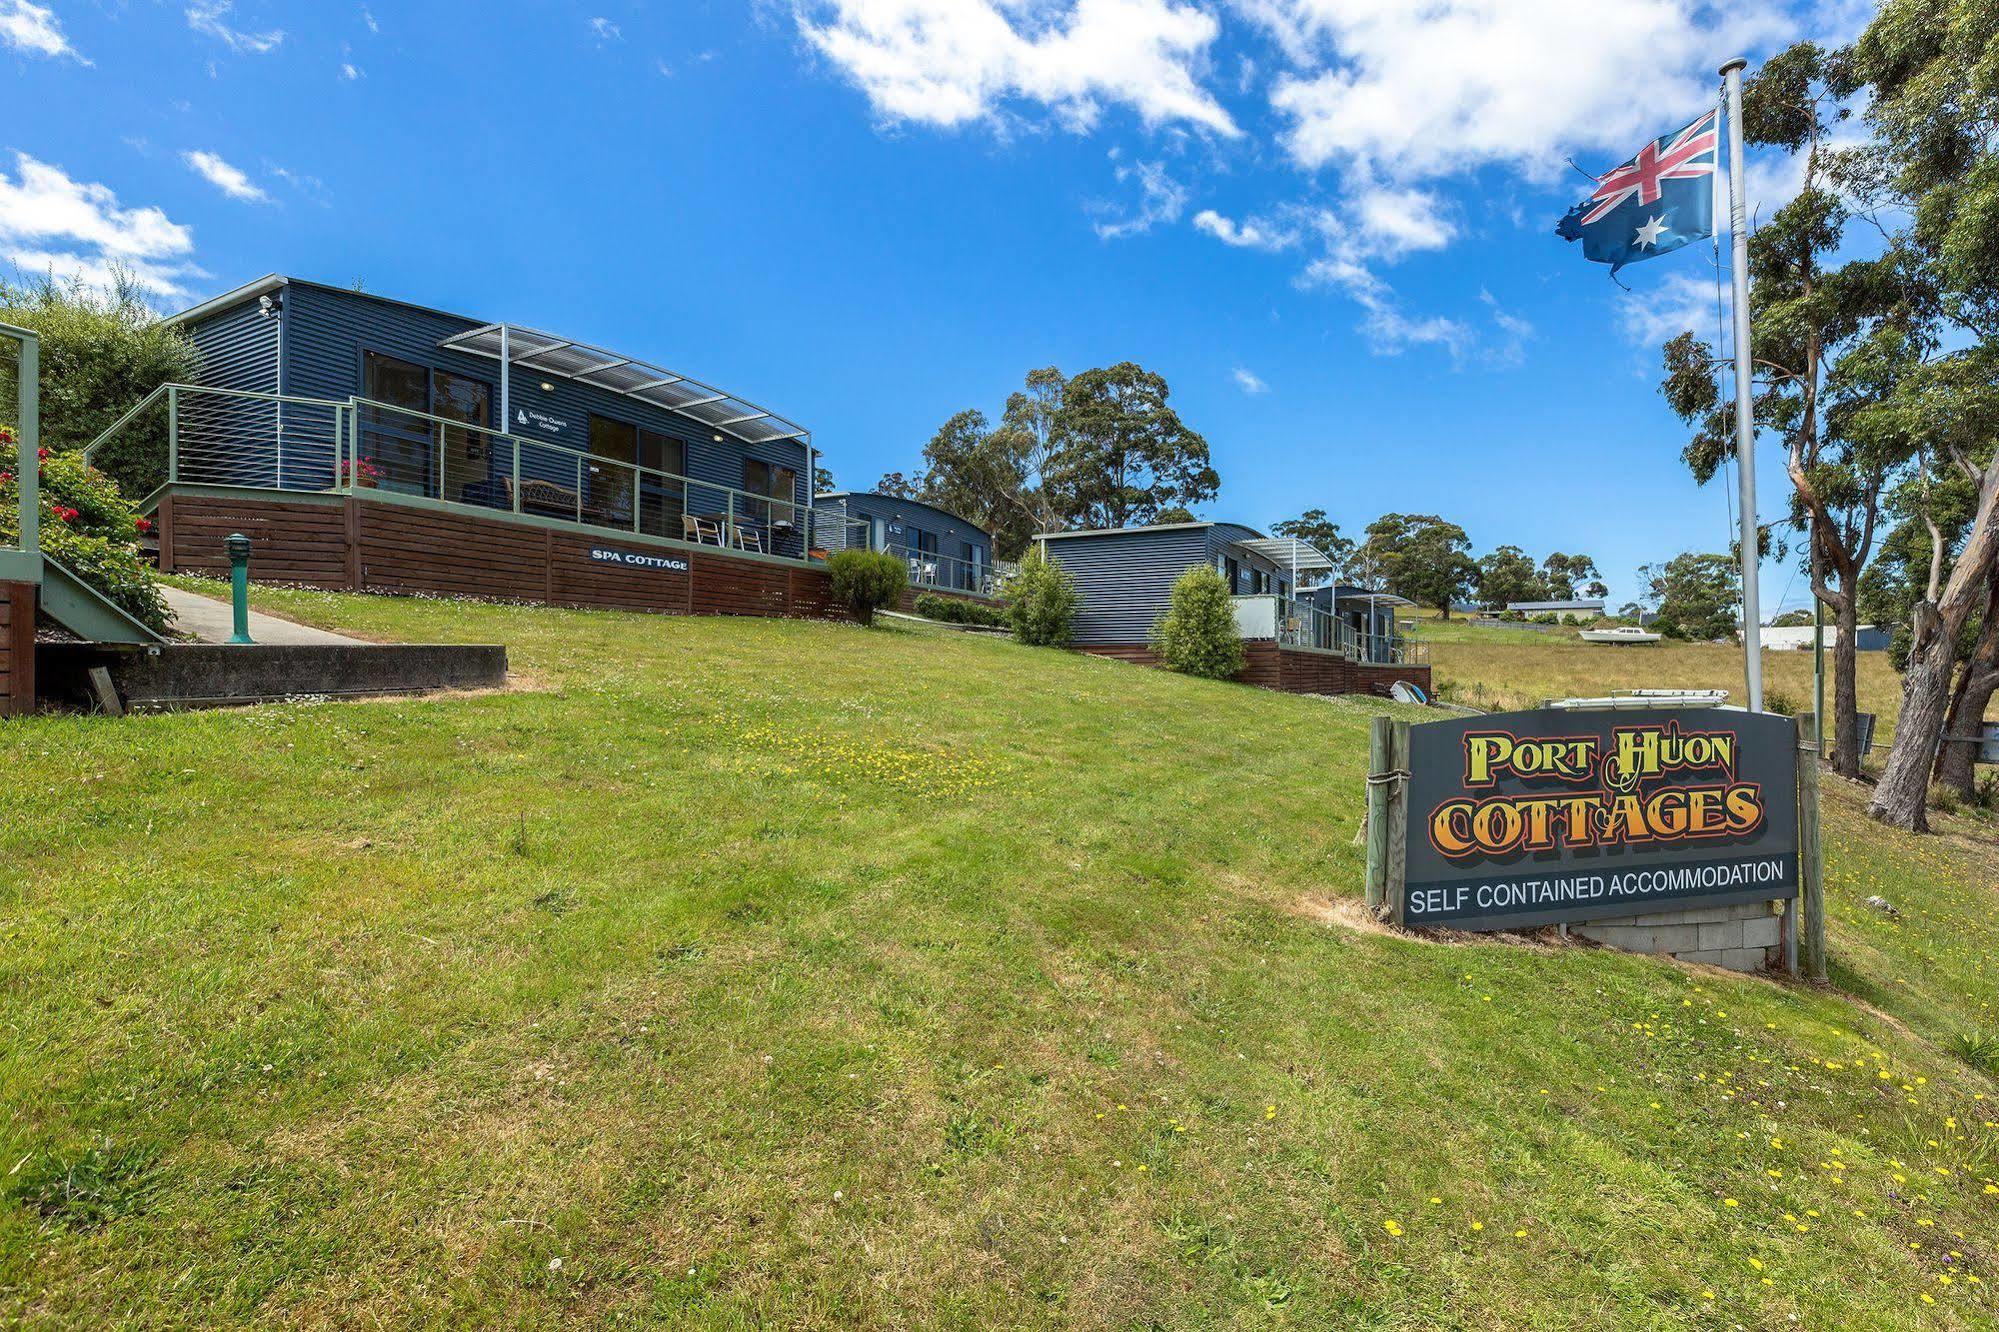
1292,670
356,544
17,649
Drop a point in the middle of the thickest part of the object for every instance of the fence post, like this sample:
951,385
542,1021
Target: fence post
517,472
1809,930
1379,733
1398,817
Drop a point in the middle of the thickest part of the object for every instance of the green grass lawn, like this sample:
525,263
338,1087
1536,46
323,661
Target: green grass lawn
734,973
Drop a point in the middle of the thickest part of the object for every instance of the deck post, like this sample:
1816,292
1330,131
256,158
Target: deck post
173,432
517,472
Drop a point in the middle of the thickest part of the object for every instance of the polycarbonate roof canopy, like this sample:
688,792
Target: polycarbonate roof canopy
1290,552
530,349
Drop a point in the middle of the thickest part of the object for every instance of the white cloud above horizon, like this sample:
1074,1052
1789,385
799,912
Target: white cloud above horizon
1161,199
230,179
51,223
35,30
1249,381
210,18
957,62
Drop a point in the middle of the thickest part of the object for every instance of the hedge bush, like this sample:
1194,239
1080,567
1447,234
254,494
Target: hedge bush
1198,634
88,526
956,610
1041,601
865,581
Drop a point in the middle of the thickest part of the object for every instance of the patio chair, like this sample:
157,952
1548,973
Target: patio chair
747,538
701,531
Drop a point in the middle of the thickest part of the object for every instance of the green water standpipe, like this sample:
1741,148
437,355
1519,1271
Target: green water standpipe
238,547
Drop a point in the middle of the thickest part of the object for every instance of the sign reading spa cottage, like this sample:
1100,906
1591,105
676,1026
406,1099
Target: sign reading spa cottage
1528,818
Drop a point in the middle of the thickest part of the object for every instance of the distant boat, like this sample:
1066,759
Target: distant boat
1623,633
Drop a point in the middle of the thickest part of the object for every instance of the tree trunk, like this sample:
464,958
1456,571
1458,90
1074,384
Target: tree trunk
1845,696
1901,796
1956,760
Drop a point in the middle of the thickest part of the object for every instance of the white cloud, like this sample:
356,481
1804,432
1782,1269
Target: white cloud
225,177
606,30
368,18
210,17
954,62
1251,233
1249,381
351,71
1161,199
1413,91
1683,301
34,30
50,223
1515,333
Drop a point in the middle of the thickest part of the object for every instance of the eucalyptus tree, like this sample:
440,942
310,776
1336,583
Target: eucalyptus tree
1809,314
1929,67
1121,453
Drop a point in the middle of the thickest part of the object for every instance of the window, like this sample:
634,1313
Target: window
1232,573
662,498
779,484
395,445
467,470
609,486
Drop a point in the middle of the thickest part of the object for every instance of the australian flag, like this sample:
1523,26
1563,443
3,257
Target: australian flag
1653,204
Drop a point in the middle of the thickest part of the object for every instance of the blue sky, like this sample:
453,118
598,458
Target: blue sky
1328,223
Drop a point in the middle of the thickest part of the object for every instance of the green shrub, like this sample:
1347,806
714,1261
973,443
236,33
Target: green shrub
865,581
1198,635
956,610
1041,601
103,350
86,525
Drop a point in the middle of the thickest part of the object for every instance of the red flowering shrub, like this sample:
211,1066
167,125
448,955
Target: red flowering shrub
87,525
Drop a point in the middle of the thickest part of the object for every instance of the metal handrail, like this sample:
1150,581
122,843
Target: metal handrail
980,578
335,457
742,507
27,445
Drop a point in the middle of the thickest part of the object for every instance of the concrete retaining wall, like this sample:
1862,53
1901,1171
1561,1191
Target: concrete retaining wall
197,675
1741,937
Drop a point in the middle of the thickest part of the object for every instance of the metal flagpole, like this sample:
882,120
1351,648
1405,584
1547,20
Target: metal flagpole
1745,426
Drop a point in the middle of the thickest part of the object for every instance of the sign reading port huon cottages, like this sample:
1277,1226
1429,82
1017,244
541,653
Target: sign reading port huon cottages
1528,818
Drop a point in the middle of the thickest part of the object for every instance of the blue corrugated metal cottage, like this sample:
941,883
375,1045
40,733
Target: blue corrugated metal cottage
1306,640
370,442
945,553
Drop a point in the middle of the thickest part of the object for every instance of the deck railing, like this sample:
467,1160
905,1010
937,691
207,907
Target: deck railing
1300,624
279,442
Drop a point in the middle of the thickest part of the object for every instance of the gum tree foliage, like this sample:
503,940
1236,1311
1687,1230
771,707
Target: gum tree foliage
1699,596
1197,635
1567,577
1422,557
103,351
1931,70
1508,574
1322,534
1121,454
1828,339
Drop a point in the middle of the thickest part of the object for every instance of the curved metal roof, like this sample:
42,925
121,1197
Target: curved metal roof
534,350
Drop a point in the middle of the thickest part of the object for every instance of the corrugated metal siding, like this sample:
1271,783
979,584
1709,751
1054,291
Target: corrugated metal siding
327,330
239,349
1124,579
905,518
